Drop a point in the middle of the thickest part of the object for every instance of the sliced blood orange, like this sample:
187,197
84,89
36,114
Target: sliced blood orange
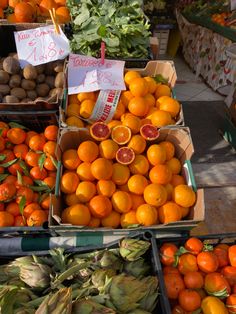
121,134
100,131
149,132
125,155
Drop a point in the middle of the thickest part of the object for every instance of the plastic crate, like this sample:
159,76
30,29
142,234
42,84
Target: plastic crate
163,37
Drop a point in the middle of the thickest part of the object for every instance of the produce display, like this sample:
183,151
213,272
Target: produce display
27,174
146,100
121,24
108,281
30,84
17,11
200,278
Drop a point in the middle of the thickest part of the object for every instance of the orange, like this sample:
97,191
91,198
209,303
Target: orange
10,179
120,174
84,172
137,200
51,132
49,148
74,121
150,112
112,220
169,188
84,96
48,164
170,105
131,121
71,199
125,97
140,165
169,212
69,182
147,215
184,196
137,143
130,76
121,134
3,4
106,187
169,148
63,15
174,165
2,144
6,219
121,202
70,159
37,218
113,123
25,181
155,194
128,219
124,187
160,174
38,174
150,100
46,5
152,85
16,135
29,134
161,118
137,184
45,201
185,211
162,90
138,106
120,110
32,159
50,181
101,169
73,99
37,142
86,108
19,221
177,180
28,210
88,151
156,154
73,110
13,208
85,191
78,214
108,149
94,222
100,206
20,151
138,87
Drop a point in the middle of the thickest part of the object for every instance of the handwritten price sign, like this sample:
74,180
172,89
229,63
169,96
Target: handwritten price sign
87,74
41,45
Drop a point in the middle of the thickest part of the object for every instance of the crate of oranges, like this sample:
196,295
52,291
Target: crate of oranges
149,98
116,179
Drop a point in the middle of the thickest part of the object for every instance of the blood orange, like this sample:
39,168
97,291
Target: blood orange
125,155
121,134
149,132
100,131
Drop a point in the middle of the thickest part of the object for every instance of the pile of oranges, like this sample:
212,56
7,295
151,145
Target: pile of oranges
123,180
145,100
27,174
19,11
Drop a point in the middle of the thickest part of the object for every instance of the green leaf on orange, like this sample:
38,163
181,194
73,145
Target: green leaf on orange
22,204
2,157
17,125
41,161
3,176
54,161
19,177
24,167
9,163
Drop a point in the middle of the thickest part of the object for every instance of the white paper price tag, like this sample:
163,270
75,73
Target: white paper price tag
41,45
87,74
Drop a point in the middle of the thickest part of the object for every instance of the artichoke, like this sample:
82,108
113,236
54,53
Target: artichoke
90,307
100,277
139,311
7,299
110,260
57,303
133,249
149,301
138,268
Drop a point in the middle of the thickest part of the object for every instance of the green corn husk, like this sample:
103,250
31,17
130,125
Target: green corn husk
133,249
100,277
138,268
36,275
57,303
90,307
125,293
149,301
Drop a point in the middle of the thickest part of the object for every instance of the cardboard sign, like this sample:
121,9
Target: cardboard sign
87,74
40,45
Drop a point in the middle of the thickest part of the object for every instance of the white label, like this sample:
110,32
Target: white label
41,45
105,106
87,74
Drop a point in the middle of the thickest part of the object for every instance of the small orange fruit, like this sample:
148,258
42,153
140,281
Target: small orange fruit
131,121
69,182
50,181
177,180
138,106
137,143
130,76
19,221
155,194
121,134
120,174
38,174
125,97
112,220
51,132
106,187
137,200
73,109
184,196
162,90
100,206
170,105
49,148
37,142
152,85
13,208
94,222
150,100
74,121
174,165
70,159
102,169
32,159
83,96
73,99
137,183
169,188
85,191
156,154
84,172
49,165
37,218
16,135
185,211
28,210
160,174
78,214
113,123
121,202
161,118
120,110
88,151
146,215
20,151
86,108
63,15
108,149
6,219
169,212
140,165
138,87
169,148
71,199
128,219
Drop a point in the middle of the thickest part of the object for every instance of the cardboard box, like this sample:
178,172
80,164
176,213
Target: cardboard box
180,137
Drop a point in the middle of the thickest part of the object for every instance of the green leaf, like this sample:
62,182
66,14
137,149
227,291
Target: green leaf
2,157
40,183
160,79
9,163
82,17
3,176
17,125
19,177
42,197
22,204
24,167
102,31
1,130
40,188
41,161
54,161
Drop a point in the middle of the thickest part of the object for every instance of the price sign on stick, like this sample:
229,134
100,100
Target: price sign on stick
41,45
87,74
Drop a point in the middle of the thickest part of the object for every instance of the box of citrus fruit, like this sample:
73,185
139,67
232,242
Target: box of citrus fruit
117,179
149,96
